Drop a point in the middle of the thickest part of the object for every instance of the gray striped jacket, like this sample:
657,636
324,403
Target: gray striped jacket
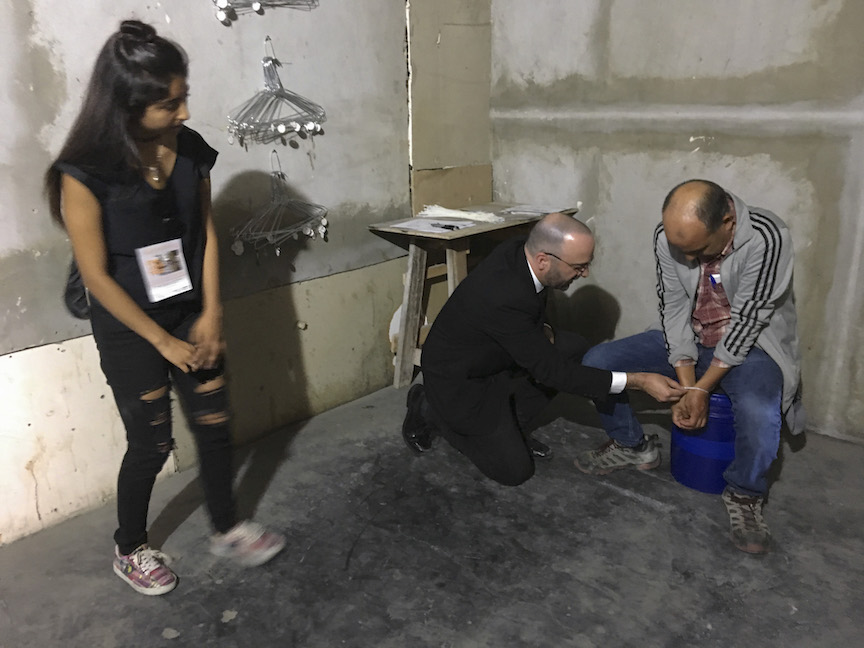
757,278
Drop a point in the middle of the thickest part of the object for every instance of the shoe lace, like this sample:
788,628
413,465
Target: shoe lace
755,510
748,512
245,533
612,445
148,559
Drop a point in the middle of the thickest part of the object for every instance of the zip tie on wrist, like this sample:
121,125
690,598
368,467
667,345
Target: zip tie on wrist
698,389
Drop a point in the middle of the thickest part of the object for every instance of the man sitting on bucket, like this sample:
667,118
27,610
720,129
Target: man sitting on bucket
728,322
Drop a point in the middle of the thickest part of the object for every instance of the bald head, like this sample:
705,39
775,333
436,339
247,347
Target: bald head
553,230
559,250
701,199
698,219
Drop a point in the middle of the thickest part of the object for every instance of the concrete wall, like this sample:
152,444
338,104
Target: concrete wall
613,102
306,329
610,102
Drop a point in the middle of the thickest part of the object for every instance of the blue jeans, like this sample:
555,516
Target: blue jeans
754,387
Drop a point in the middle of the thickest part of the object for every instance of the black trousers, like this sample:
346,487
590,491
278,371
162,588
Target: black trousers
135,370
499,450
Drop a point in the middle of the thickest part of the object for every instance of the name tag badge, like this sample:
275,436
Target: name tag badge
163,269
715,279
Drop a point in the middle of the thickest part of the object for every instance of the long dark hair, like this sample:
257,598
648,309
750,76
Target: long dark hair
134,69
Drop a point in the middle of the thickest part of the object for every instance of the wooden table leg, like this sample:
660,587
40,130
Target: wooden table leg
409,324
457,264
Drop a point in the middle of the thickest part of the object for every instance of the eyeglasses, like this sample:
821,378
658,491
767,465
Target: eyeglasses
579,268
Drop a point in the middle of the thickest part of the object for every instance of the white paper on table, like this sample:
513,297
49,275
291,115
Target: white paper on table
434,226
437,211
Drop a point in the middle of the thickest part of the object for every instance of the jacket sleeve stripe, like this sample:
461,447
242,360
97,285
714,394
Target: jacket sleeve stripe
747,327
660,291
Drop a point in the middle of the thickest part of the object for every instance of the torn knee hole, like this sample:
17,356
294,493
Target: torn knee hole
211,386
213,418
165,447
159,419
156,394
157,406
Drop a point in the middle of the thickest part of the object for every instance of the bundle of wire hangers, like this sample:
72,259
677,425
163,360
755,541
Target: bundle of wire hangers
274,113
228,10
284,218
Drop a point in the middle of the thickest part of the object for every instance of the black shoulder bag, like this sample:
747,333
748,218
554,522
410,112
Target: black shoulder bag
75,295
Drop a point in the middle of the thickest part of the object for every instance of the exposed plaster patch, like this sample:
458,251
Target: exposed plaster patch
738,43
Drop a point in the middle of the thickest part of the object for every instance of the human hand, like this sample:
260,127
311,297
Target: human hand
206,337
691,412
680,413
661,388
178,352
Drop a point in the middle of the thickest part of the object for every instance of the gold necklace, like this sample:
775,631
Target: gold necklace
155,170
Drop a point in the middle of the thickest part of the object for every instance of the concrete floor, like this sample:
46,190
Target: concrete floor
390,550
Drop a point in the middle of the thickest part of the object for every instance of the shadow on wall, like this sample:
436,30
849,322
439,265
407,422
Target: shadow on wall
265,360
590,311
260,267
266,380
266,375
593,313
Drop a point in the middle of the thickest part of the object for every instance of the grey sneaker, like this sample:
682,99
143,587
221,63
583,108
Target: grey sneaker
748,530
611,457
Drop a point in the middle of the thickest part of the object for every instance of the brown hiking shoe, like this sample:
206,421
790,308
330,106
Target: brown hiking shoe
748,530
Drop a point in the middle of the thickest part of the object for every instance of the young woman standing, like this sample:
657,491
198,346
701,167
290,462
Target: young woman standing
132,188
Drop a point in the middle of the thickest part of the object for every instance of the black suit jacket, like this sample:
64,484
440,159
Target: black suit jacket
490,325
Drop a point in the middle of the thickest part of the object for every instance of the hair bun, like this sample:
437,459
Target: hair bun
137,30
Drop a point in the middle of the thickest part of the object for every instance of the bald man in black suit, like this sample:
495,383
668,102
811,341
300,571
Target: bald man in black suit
491,361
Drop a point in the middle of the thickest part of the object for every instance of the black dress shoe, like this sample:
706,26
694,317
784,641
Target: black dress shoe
415,432
538,448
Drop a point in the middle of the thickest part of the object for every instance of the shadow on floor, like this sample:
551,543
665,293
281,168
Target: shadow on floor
255,466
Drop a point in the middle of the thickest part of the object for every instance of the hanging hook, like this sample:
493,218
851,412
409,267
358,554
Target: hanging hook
275,156
268,45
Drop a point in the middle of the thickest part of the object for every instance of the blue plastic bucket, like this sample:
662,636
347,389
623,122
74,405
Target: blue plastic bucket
698,460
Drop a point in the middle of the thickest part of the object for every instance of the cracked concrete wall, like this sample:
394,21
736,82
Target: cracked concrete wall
614,102
61,438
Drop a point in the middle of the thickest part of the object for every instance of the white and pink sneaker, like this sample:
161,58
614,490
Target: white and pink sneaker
145,570
248,543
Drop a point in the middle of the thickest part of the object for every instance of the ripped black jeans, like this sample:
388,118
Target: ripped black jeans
141,379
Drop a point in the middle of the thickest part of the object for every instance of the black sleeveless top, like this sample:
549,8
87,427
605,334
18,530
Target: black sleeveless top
135,215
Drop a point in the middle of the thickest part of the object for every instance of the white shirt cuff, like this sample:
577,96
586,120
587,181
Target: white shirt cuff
619,382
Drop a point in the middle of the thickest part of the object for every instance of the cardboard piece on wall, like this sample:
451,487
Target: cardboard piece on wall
451,54
453,188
